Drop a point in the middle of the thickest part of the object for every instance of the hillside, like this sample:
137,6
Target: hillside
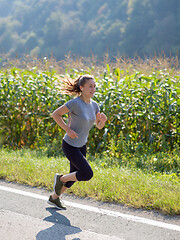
82,27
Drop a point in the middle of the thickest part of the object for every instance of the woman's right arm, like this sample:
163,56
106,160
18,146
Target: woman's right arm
57,116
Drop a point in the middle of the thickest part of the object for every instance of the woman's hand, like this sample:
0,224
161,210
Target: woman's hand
101,117
100,120
71,133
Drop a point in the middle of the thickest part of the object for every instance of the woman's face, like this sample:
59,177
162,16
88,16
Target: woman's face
89,88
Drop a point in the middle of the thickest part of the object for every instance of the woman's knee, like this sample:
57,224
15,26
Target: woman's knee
90,174
85,175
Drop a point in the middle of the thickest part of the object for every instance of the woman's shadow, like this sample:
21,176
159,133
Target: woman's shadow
61,228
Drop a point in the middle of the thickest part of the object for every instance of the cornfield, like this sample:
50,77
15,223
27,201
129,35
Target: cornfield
143,109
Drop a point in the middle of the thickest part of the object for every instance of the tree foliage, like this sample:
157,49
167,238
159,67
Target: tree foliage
85,27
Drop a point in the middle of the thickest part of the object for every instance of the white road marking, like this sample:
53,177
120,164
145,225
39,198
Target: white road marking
98,210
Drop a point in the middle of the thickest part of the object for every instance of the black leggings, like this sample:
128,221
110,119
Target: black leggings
78,163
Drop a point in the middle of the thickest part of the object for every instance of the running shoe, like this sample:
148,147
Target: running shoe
57,184
56,203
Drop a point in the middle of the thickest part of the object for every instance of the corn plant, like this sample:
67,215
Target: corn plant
143,110
27,101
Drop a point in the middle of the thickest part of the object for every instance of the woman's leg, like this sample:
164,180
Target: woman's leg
80,170
76,157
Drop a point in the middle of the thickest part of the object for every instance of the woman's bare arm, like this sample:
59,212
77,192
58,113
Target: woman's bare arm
57,116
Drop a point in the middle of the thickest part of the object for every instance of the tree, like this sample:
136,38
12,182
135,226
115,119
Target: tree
86,27
137,28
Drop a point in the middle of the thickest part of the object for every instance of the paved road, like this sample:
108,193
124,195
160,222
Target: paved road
25,214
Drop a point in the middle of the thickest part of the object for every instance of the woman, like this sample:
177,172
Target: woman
83,112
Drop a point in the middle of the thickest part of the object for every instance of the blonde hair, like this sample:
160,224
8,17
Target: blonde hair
72,87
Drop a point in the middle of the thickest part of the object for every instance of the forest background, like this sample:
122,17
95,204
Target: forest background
83,27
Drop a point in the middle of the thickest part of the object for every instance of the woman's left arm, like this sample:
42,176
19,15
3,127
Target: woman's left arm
100,120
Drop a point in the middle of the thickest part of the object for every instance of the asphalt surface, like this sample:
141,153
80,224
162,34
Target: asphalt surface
25,214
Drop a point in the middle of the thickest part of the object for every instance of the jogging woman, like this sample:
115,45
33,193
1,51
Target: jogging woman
83,112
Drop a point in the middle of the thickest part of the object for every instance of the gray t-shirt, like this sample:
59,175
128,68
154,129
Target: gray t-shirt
81,119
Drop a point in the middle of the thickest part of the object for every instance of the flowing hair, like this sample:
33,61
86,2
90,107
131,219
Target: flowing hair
72,87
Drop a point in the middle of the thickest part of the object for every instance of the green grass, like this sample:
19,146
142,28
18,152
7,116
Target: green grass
130,186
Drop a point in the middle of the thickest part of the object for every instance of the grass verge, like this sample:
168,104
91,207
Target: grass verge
129,186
